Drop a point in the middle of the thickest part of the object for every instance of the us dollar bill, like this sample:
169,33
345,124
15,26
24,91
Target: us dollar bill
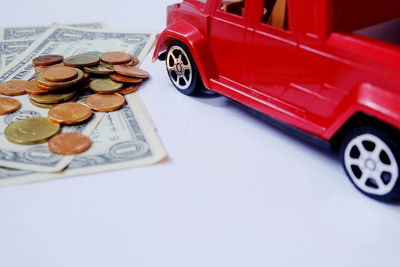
123,138
36,157
18,39
9,50
34,32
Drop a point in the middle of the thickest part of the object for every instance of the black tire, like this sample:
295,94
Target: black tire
371,160
182,69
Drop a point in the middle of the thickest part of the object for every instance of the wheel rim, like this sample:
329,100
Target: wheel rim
179,68
371,164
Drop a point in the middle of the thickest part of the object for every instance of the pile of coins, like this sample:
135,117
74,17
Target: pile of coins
106,77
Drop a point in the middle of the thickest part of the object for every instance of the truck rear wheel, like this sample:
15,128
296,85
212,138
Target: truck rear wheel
182,70
370,158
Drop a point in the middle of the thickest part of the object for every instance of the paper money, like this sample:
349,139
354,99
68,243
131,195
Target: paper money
20,38
124,138
34,32
9,50
35,157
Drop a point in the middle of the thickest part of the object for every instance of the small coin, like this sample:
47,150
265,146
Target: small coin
131,71
32,88
98,70
42,68
134,61
125,79
70,113
82,60
53,98
114,58
8,105
128,89
104,86
105,103
31,131
13,87
47,60
58,85
49,106
69,143
60,74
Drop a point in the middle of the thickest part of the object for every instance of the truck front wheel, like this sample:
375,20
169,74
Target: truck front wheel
182,69
370,158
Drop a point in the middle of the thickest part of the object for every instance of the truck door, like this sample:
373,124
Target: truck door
229,40
274,61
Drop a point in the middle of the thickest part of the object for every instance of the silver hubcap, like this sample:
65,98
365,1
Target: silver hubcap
179,67
371,164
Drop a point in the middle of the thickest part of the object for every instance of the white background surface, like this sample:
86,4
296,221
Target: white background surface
234,190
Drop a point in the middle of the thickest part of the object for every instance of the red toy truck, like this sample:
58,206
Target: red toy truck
308,64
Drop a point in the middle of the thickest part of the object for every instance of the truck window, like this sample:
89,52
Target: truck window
375,19
236,7
275,13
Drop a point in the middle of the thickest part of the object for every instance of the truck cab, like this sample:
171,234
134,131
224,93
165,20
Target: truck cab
316,66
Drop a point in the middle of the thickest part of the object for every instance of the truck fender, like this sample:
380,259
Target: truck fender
370,100
195,42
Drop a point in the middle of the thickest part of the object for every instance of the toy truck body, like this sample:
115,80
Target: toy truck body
305,63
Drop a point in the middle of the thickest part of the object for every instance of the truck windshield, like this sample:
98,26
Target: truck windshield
375,19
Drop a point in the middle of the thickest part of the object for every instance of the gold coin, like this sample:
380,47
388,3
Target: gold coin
82,60
70,113
60,74
49,106
40,105
58,85
53,97
98,70
8,105
104,86
31,131
105,103
13,87
69,143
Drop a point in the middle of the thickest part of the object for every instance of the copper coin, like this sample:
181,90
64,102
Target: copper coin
48,88
47,60
32,88
128,89
70,113
125,79
60,74
69,143
131,71
43,68
13,87
8,105
114,58
134,61
105,102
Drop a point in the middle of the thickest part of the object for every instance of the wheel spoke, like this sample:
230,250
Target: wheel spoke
173,74
361,148
365,175
352,161
387,168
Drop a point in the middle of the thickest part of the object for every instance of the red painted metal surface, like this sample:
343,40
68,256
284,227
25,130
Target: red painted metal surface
314,76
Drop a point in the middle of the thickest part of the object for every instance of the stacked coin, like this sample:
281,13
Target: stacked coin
54,85
59,80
